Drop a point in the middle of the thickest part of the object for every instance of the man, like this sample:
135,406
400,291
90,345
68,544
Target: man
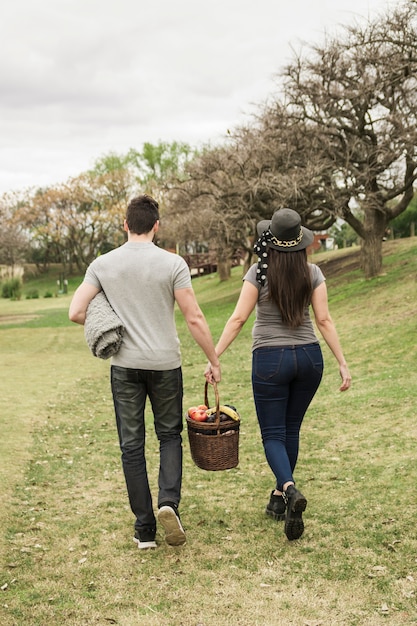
142,283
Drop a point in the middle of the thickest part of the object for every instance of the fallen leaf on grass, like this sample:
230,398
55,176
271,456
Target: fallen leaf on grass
391,546
378,570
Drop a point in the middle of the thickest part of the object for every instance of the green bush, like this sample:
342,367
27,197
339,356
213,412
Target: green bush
12,288
32,294
48,294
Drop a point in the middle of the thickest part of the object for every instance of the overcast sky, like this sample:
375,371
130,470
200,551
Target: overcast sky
81,78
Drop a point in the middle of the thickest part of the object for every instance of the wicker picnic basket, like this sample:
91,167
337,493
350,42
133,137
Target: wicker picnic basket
214,446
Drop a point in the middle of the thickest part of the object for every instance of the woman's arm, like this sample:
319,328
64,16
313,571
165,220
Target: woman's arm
325,324
246,303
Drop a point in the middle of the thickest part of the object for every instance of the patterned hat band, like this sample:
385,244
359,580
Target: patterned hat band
285,243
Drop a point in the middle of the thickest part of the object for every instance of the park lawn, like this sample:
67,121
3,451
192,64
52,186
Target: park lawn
67,542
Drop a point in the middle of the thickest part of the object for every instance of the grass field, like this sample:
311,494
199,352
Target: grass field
66,549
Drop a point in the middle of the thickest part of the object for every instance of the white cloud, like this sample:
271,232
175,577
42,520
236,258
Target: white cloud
84,77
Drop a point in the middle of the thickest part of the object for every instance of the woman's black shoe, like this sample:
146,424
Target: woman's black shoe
276,507
296,504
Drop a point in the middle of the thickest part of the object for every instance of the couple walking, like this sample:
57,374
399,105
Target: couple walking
142,284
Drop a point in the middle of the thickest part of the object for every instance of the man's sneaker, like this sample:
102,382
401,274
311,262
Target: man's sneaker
174,532
276,507
145,538
296,504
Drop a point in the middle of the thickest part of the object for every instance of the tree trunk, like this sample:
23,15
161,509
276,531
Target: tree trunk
371,256
224,269
371,244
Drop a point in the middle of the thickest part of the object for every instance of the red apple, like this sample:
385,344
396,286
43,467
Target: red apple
199,415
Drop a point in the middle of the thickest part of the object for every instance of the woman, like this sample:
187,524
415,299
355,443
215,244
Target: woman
287,362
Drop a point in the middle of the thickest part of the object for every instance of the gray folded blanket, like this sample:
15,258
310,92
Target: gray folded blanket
103,329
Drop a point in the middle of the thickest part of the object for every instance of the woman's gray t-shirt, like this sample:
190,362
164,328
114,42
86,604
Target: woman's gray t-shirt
268,329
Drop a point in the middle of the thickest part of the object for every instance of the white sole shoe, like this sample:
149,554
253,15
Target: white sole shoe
144,545
174,532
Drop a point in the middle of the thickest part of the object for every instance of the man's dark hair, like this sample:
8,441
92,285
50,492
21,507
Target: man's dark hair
141,215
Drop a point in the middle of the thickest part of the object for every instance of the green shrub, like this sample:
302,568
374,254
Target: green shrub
12,288
32,294
48,294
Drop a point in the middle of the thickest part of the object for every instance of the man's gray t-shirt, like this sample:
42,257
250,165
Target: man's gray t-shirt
268,329
139,280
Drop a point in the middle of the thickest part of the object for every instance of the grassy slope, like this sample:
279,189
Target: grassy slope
68,553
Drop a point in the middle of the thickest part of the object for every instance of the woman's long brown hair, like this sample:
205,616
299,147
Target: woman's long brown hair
289,284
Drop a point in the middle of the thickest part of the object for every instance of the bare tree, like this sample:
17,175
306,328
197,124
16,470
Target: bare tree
215,203
286,169
355,99
340,141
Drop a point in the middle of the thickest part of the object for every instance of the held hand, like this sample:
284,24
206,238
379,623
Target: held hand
212,374
346,377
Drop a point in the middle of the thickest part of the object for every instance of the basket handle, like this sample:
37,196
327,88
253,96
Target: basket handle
216,395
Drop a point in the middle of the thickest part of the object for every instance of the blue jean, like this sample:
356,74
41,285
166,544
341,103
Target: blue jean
284,381
130,388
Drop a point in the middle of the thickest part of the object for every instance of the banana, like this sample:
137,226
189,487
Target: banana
227,410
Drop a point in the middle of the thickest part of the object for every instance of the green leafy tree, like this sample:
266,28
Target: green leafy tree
344,236
158,164
405,224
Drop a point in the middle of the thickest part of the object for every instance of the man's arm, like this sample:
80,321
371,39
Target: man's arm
198,327
80,301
